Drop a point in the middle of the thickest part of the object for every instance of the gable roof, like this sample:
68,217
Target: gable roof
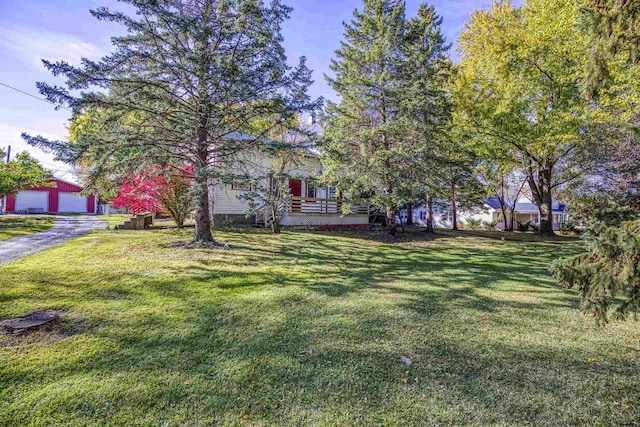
531,207
494,203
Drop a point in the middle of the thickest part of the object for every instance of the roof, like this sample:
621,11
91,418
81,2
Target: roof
494,203
66,182
531,207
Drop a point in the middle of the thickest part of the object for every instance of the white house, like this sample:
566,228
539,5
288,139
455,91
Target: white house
525,211
310,204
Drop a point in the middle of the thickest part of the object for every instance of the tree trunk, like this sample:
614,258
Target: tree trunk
203,213
541,191
429,214
546,215
410,214
392,226
212,189
503,210
203,222
512,219
275,221
454,209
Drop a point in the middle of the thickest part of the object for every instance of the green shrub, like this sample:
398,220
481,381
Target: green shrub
491,225
570,227
473,223
523,227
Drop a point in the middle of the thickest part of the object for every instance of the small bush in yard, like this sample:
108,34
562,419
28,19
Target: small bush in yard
474,223
491,225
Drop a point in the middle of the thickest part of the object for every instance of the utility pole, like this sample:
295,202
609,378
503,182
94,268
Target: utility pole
3,201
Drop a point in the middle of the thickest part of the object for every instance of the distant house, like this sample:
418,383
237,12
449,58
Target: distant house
60,197
526,211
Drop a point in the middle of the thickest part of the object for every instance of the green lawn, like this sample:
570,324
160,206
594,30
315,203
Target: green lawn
13,226
114,219
117,219
309,329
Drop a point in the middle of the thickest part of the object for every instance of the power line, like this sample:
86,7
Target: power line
33,96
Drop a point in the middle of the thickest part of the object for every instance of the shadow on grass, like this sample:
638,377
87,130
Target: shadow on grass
314,335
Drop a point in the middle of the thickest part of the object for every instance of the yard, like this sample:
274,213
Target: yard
13,226
309,328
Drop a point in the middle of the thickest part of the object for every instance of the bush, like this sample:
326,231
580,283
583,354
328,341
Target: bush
473,223
569,227
523,227
490,226
608,275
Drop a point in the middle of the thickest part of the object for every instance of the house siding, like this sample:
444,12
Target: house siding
229,208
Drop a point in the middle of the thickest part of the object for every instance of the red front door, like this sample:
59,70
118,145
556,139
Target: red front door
295,187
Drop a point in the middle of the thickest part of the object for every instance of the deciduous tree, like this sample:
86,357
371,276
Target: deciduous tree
21,172
158,190
518,90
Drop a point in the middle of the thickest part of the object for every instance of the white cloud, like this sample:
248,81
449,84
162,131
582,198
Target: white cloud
31,45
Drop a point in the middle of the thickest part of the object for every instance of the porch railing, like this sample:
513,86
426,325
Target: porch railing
315,205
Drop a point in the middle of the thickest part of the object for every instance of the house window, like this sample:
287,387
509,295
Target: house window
311,190
333,191
321,192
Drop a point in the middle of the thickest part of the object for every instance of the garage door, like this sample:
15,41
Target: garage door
32,201
72,202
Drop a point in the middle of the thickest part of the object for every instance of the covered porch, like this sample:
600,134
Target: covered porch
313,204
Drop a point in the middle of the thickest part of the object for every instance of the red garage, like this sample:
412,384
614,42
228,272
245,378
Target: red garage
61,197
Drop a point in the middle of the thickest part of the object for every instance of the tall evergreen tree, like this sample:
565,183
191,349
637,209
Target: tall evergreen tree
390,74
182,86
365,132
614,29
428,106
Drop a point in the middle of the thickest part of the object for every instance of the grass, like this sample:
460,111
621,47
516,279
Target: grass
13,226
118,219
309,329
114,219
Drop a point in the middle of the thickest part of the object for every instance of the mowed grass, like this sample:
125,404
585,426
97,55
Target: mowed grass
13,226
114,220
309,329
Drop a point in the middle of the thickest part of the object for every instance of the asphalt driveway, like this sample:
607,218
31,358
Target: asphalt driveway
65,228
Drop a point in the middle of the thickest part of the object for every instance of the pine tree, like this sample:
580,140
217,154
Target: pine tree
365,131
182,85
428,106
390,74
614,28
607,272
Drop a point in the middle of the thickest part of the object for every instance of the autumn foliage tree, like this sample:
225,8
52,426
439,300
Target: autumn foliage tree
158,190
517,93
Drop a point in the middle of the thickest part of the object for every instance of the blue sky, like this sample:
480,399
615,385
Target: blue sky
64,29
